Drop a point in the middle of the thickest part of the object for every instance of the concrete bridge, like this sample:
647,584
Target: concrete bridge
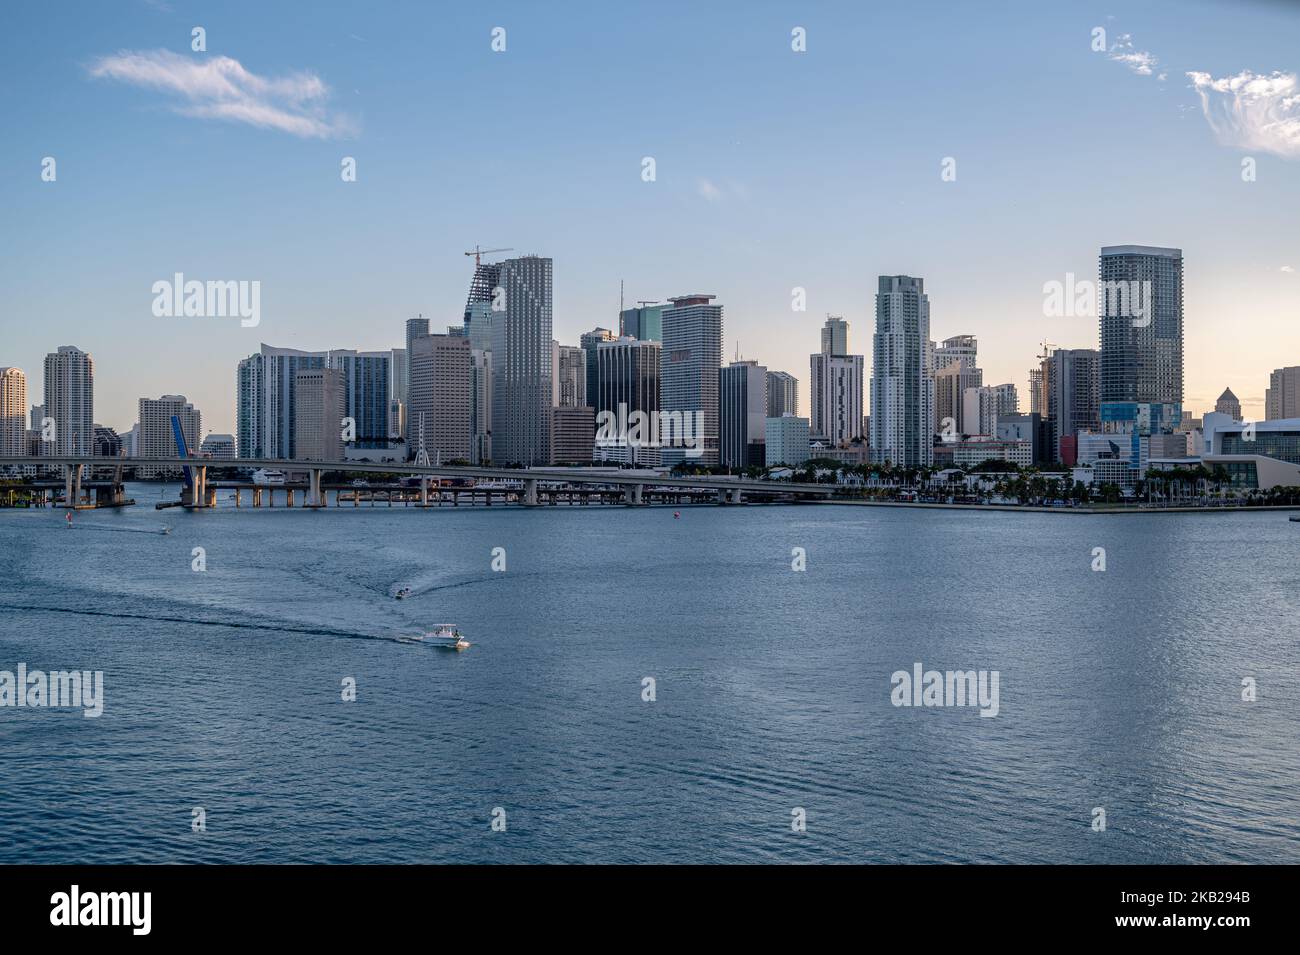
633,485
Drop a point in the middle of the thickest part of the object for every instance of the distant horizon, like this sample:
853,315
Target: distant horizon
774,169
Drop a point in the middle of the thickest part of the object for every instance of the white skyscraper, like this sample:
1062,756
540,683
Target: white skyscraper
70,400
836,386
902,386
156,439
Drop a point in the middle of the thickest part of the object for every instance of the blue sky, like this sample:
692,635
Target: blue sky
775,169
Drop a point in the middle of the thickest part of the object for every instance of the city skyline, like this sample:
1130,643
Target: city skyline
193,189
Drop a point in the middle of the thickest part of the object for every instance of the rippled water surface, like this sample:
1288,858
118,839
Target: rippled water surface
1119,689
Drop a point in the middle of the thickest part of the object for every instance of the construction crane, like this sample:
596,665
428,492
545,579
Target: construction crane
476,252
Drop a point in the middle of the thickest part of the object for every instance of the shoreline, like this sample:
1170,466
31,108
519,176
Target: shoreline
1039,509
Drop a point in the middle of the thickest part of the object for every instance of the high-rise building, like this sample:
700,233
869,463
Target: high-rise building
645,322
220,447
416,328
250,396
569,376
1282,397
1037,404
280,367
1228,404
156,439
835,338
13,412
590,344
441,410
688,377
1140,298
836,387
902,389
961,349
743,414
572,427
367,385
70,400
480,406
985,406
782,394
399,369
627,373
107,442
836,398
1070,383
786,440
320,405
521,363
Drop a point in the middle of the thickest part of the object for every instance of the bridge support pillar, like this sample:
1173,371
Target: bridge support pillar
424,490
632,494
238,497
736,496
530,493
288,497
67,485
313,495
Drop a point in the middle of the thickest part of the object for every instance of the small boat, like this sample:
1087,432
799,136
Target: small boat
445,635
1296,519
68,518
165,530
403,593
676,515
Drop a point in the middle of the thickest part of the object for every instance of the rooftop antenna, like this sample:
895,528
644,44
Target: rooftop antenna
620,308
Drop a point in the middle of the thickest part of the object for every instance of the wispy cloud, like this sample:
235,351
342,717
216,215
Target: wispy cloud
1253,111
1288,269
219,87
1139,61
720,191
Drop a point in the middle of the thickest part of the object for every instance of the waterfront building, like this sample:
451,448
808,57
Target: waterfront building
107,442
13,412
1028,427
743,415
480,405
320,405
1140,299
572,427
688,376
1261,455
280,367
158,440
367,386
521,362
972,451
250,395
441,392
836,383
70,400
627,376
220,447
786,440
902,387
1282,397
1070,381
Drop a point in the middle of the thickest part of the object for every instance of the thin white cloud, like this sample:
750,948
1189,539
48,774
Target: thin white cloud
708,190
1287,268
1140,62
219,87
1253,111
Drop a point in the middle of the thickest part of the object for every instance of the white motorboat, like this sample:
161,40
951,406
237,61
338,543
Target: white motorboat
403,593
445,635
